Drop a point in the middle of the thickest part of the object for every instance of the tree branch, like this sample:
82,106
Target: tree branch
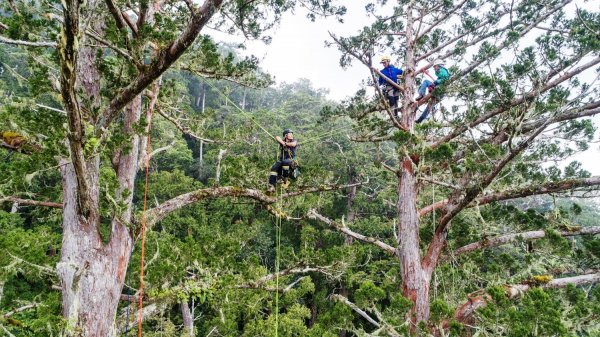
382,326
531,235
106,43
20,309
455,206
69,44
300,269
165,57
340,298
508,41
185,130
312,213
122,19
547,188
28,43
171,205
442,19
466,310
526,97
480,38
32,202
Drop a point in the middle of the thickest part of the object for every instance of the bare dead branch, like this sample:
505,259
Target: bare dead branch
218,171
381,325
312,213
340,298
531,235
300,269
21,201
20,309
185,130
537,189
45,44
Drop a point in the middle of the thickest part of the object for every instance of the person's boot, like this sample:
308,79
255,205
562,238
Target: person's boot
271,189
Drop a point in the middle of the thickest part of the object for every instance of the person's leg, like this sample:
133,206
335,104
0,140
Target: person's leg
424,114
273,175
423,88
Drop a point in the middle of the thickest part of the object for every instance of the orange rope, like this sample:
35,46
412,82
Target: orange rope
147,163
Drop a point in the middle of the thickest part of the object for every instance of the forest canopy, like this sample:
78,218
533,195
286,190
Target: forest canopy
137,150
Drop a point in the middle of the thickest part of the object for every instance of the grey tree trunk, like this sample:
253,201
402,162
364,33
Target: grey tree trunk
92,273
188,319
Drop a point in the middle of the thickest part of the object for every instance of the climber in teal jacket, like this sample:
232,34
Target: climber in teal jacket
442,75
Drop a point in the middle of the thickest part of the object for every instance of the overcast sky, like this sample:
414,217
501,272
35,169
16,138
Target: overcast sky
298,51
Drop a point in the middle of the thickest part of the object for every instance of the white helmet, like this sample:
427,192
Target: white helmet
438,62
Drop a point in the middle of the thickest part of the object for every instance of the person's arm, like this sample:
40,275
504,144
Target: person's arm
284,143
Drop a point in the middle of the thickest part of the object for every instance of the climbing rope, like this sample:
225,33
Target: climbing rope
143,233
277,259
306,141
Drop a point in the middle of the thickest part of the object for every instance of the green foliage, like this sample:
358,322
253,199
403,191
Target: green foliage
218,256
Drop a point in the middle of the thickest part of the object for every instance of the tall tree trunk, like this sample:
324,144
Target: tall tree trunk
415,281
86,269
92,273
188,319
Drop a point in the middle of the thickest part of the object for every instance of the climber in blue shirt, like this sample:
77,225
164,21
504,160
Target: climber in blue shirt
393,74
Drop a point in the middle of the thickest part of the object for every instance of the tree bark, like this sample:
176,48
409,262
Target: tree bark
85,270
188,320
415,282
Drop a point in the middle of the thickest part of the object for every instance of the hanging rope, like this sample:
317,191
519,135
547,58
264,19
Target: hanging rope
147,165
277,259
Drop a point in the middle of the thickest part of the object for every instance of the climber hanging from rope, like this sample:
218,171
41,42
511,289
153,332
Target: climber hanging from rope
286,165
388,76
428,92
